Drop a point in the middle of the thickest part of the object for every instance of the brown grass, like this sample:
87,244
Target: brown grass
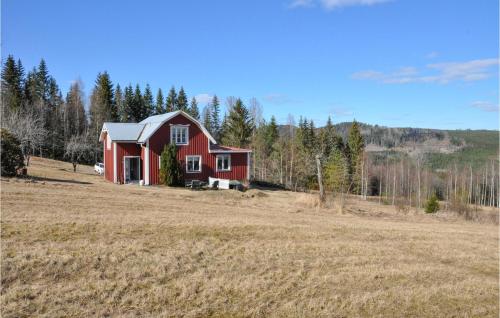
98,249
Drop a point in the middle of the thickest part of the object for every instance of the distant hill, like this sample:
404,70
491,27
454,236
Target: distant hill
438,147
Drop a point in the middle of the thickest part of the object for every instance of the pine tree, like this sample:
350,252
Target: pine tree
137,111
270,137
328,139
193,109
12,85
356,147
171,102
56,103
128,103
239,126
170,169
223,127
336,171
303,168
207,118
102,105
182,101
42,85
160,107
29,90
215,118
120,104
148,102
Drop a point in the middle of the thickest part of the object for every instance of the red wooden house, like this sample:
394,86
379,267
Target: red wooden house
132,150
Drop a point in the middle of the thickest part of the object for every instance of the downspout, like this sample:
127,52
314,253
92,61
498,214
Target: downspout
146,158
115,164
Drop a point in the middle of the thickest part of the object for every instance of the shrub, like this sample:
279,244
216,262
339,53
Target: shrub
432,205
12,156
402,205
170,168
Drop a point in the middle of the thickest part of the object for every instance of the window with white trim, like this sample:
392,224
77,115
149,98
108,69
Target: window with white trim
108,142
179,135
224,162
193,164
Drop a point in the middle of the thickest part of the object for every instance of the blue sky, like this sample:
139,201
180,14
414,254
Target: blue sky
397,63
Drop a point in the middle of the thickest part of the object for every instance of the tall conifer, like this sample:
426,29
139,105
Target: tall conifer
171,102
160,107
182,101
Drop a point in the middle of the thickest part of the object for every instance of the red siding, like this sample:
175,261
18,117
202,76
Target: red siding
198,145
108,161
125,149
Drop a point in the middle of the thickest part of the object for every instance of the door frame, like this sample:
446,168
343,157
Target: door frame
138,168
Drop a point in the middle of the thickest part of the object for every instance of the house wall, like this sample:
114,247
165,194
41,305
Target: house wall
126,149
198,145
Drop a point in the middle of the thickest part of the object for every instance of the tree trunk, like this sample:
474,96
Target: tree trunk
419,185
320,181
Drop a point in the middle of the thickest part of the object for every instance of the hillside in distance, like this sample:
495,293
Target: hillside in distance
438,147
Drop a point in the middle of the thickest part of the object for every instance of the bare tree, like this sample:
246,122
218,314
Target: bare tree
78,150
28,129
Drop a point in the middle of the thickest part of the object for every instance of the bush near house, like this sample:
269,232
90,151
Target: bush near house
12,156
170,168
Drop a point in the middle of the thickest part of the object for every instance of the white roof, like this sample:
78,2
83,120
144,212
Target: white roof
142,131
122,131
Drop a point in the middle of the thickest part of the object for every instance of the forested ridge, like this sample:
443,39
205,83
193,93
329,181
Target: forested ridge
407,165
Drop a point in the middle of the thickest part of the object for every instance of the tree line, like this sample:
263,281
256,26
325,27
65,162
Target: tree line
50,125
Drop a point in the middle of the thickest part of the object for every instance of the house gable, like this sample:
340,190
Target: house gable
152,125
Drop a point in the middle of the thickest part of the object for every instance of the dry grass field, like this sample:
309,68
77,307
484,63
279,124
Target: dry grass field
74,245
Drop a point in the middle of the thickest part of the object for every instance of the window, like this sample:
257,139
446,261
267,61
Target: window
108,142
224,162
179,135
193,164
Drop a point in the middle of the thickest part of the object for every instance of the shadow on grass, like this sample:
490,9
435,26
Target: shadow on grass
41,179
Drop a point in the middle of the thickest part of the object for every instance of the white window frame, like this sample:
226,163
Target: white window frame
187,163
174,128
222,158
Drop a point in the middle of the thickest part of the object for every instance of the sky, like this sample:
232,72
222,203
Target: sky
397,63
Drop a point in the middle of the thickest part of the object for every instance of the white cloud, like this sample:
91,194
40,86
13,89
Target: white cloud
441,73
279,99
334,4
485,106
301,3
432,55
204,98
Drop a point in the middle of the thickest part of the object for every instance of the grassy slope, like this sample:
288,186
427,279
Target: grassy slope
97,249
